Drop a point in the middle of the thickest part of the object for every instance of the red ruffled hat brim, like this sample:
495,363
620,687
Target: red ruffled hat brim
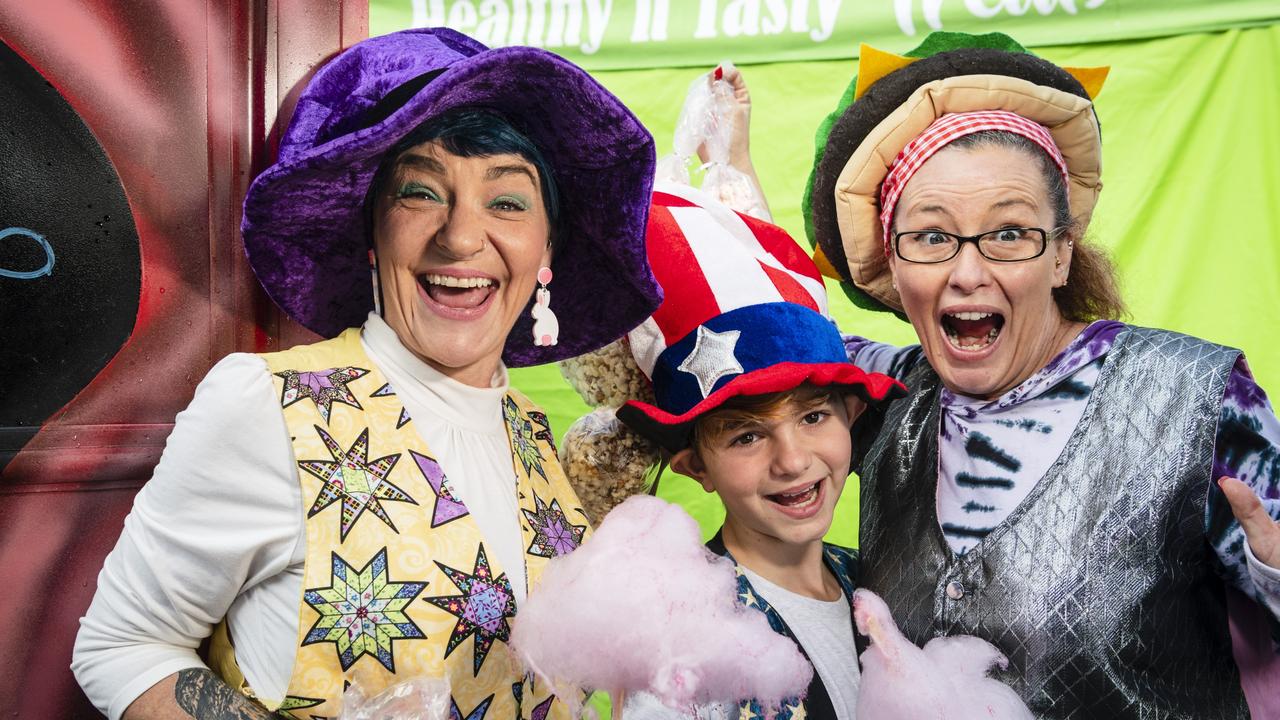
672,432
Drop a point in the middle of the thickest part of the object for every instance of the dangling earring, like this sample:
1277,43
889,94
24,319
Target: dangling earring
377,288
546,328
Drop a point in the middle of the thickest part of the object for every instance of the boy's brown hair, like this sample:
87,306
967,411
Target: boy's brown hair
745,410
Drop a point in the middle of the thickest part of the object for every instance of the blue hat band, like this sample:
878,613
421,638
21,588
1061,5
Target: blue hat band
739,342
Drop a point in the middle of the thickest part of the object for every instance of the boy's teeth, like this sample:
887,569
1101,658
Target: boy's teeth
458,282
795,499
797,494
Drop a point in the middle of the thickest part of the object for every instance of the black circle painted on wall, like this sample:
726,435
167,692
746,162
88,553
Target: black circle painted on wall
70,264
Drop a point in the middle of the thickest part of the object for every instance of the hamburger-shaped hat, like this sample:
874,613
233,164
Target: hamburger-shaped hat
744,313
894,99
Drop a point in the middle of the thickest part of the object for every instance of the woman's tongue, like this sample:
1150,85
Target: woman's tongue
972,333
457,297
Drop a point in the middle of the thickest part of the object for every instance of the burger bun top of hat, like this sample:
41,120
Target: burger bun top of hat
868,134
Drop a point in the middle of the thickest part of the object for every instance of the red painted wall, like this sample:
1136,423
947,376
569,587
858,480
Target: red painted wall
186,98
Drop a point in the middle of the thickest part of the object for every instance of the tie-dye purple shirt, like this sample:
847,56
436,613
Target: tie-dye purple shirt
987,463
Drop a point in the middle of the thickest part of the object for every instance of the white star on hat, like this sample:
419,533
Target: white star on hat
712,357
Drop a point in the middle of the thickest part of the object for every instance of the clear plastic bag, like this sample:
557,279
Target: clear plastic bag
707,121
423,698
605,461
732,187
608,376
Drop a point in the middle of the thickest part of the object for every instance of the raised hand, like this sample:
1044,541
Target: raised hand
1262,533
740,140
740,135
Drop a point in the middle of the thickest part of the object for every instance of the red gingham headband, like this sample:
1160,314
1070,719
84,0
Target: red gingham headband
943,131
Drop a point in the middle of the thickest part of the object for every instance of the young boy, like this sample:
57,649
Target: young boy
778,462
753,397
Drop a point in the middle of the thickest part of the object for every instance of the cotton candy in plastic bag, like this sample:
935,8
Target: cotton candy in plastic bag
706,120
734,189
421,698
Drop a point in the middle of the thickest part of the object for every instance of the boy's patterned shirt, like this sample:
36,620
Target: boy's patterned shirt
842,562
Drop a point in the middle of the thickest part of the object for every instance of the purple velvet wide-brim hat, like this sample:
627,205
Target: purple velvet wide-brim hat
304,217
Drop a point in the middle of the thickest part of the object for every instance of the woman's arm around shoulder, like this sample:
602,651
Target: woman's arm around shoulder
880,357
1243,520
221,512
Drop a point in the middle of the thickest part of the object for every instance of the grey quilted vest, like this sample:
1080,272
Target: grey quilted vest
1100,587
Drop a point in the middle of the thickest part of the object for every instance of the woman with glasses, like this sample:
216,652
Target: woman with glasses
1052,481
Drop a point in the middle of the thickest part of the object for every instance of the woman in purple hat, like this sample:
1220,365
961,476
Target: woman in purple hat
372,508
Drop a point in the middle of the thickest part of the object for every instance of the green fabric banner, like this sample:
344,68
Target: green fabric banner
1190,210
634,34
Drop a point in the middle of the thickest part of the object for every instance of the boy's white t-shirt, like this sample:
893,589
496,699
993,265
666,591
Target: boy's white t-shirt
823,628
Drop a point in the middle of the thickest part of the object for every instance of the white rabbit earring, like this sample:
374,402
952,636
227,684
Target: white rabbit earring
546,328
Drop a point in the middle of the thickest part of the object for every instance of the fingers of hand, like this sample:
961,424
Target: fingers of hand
730,74
1262,533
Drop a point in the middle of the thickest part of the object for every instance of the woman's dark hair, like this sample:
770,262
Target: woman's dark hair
1092,292
470,132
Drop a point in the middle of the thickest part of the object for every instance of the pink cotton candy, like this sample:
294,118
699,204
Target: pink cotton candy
643,606
947,680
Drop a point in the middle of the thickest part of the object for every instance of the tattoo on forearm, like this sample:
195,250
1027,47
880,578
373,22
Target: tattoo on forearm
204,696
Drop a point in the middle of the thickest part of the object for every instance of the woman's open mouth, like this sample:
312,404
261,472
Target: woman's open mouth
972,331
457,297
799,503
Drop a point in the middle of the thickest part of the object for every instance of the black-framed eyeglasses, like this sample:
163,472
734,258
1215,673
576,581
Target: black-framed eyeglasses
1004,245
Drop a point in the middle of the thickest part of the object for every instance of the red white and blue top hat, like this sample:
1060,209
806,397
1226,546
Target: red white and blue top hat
744,313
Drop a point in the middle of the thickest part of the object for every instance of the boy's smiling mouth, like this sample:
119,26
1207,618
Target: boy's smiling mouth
800,499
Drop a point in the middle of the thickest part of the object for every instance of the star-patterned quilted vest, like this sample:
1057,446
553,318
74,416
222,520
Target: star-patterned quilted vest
398,583
816,704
